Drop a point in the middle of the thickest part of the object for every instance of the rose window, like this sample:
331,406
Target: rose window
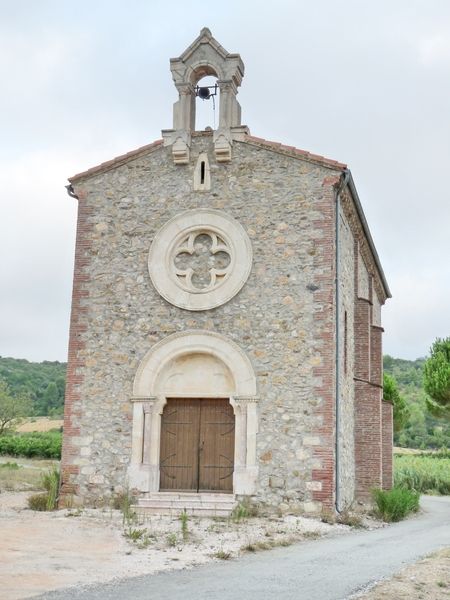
201,261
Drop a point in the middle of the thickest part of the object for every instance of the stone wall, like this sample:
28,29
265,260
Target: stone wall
282,318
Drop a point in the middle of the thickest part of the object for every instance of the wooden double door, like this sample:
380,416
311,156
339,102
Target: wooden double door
197,445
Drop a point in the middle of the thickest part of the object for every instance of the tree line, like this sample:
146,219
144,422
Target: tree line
418,389
42,383
420,392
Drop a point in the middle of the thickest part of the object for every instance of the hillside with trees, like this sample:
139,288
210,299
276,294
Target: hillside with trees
42,382
422,429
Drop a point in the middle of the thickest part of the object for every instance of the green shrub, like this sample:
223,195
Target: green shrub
396,504
426,473
38,501
32,445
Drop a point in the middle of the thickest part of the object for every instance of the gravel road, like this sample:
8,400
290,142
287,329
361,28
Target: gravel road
327,569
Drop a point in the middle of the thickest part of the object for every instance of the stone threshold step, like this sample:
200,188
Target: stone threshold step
193,512
195,498
187,505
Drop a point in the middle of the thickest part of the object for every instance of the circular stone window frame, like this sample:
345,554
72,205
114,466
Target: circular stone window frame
161,255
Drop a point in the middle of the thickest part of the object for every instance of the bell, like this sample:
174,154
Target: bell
204,93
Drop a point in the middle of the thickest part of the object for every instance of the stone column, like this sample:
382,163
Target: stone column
148,414
141,440
229,115
184,109
240,459
246,470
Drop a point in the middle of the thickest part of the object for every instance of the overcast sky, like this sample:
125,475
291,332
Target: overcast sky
362,82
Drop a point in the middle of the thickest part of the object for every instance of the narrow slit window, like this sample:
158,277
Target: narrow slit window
202,173
202,177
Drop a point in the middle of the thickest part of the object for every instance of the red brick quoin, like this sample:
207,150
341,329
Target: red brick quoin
75,363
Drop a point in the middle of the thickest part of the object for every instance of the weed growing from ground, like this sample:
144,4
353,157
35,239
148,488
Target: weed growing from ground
74,513
172,539
244,510
350,519
327,516
311,535
141,537
184,519
124,502
222,555
269,544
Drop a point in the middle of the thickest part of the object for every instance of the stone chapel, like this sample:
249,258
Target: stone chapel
225,334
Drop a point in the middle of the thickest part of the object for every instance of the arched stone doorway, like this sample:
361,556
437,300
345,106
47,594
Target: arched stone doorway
193,365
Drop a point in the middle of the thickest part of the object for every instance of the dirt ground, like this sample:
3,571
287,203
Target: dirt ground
43,551
429,579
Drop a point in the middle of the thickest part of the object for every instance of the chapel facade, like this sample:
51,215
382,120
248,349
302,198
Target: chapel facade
225,336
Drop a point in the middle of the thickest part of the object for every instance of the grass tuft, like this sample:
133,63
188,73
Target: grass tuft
47,500
222,555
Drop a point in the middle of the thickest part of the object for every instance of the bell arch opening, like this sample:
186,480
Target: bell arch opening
193,365
207,102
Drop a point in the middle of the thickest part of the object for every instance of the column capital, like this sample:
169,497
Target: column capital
227,85
142,399
246,399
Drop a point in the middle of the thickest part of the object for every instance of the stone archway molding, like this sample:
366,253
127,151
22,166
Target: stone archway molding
149,400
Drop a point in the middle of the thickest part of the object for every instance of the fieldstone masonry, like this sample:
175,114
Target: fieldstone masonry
284,319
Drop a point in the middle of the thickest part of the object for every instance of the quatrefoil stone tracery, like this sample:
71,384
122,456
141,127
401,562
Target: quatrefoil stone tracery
201,261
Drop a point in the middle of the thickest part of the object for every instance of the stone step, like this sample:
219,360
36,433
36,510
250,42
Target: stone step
192,512
195,504
187,497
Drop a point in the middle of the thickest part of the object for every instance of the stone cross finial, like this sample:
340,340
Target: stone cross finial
205,56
